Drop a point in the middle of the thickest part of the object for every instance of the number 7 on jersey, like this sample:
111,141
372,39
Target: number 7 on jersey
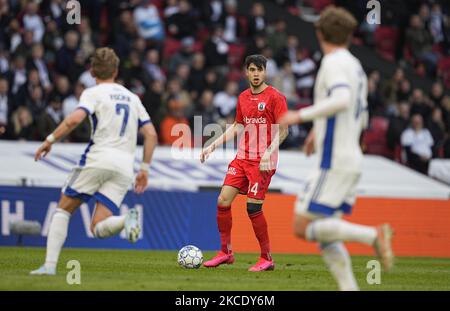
126,113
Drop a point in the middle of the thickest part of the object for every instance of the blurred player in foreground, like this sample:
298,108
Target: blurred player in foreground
250,172
105,170
339,114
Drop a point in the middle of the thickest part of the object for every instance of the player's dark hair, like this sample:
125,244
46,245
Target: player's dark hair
258,60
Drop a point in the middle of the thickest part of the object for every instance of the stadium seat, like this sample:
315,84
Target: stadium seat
386,41
171,46
374,138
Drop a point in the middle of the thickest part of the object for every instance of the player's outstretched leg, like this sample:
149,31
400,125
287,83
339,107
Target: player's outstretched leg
333,229
57,234
339,263
259,223
224,224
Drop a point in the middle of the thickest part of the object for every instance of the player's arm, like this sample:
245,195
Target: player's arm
265,164
338,101
230,133
63,129
150,142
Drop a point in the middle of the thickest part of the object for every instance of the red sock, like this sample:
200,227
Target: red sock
260,228
224,222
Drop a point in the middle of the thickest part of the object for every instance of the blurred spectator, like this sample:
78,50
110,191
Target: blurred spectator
391,86
71,102
17,78
87,79
197,82
36,103
277,36
212,81
24,48
289,51
271,66
436,125
213,12
37,62
5,103
171,8
285,82
53,40
257,20
231,26
216,51
14,34
124,33
437,93
152,100
33,22
420,42
184,55
50,118
206,109
152,67
65,57
182,24
304,69
420,104
148,23
21,127
436,23
182,73
226,100
88,39
404,91
374,99
397,125
62,87
418,143
175,90
174,120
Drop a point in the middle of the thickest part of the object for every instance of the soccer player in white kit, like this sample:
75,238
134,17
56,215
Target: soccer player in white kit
105,170
339,114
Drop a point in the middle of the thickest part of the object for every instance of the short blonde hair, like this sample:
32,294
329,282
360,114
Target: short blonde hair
336,25
104,63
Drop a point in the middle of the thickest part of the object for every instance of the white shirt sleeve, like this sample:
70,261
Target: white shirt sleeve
144,118
338,92
87,102
338,100
407,138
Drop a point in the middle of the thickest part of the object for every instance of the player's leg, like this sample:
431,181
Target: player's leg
109,197
258,185
340,188
57,233
224,224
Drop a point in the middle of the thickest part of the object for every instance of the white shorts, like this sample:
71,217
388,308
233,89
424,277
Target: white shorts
328,193
106,186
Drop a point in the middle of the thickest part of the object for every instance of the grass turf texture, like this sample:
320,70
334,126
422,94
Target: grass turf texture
158,270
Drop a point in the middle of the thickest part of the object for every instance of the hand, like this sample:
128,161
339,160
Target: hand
206,152
266,164
141,181
43,150
308,148
289,118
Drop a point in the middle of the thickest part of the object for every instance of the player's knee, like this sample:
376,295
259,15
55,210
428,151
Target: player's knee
253,208
299,230
223,200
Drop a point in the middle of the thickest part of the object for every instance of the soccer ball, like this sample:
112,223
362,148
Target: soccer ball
190,257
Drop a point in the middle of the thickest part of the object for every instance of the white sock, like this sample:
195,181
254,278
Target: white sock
328,230
109,226
57,234
339,263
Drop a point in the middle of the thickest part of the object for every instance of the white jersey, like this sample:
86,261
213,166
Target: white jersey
116,114
337,137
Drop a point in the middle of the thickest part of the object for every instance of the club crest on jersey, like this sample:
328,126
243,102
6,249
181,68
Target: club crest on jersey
261,106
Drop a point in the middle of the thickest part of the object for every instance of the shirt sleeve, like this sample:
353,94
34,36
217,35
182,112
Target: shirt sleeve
280,107
144,117
334,77
87,102
239,118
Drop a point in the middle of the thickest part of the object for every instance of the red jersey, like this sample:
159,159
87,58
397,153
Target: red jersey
257,113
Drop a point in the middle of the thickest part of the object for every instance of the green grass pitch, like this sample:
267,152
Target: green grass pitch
158,270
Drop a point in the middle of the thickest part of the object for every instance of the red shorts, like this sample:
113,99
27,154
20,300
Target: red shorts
246,176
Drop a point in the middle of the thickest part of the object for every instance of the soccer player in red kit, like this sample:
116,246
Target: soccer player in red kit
250,172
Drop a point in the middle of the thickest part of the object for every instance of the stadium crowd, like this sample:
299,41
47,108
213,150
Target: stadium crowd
184,59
